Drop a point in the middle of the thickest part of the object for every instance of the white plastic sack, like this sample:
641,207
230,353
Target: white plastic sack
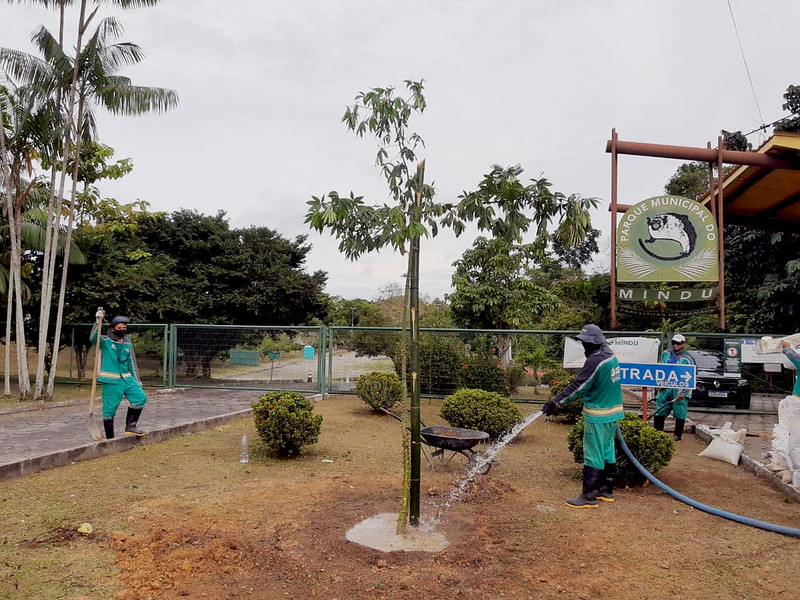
794,441
727,447
779,455
770,345
787,409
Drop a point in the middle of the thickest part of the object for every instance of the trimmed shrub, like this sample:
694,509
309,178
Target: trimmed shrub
515,375
285,422
571,411
480,410
652,448
379,390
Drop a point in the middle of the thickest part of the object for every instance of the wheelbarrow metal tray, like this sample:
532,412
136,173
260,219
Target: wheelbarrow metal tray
452,438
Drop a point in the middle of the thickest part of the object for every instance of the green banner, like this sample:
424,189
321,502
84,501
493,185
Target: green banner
655,295
666,239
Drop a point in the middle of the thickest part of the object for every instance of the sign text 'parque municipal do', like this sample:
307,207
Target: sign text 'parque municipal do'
666,239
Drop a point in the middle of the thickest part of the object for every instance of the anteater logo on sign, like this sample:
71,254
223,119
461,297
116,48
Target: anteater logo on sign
667,238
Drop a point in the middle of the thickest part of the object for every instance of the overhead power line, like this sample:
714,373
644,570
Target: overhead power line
746,68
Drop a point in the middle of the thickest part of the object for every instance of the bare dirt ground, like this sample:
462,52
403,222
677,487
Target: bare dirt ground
183,519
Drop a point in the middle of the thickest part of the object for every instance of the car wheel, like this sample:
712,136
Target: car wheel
743,403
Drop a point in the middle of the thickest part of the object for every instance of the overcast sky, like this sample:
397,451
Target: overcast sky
263,86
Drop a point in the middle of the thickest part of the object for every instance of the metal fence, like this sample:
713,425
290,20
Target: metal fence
260,358
320,359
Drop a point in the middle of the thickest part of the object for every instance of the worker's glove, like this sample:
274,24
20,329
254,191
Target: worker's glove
549,408
100,314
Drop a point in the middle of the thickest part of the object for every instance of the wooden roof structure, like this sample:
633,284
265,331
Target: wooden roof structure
765,197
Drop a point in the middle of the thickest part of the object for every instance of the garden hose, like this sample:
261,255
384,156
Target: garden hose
793,531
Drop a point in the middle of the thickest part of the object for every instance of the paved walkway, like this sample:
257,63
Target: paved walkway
57,435
47,437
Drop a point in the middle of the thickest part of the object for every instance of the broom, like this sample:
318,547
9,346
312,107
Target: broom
91,424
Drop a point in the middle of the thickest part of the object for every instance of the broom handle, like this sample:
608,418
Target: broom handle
96,361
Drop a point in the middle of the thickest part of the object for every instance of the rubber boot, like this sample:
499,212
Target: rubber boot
108,425
606,491
591,483
658,423
679,423
131,419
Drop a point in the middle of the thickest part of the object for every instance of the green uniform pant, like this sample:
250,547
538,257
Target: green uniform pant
664,404
598,444
113,393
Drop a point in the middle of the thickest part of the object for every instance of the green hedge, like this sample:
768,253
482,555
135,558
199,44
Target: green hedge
286,422
480,410
379,390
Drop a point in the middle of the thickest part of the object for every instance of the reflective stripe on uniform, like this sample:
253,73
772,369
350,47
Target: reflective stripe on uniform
601,412
111,375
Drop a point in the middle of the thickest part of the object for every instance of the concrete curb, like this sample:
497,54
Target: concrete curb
756,467
106,447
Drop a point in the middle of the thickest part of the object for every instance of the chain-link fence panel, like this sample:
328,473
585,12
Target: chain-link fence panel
76,357
515,363
247,357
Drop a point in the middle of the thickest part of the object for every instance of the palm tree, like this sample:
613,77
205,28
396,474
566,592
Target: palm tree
89,80
100,85
22,117
32,230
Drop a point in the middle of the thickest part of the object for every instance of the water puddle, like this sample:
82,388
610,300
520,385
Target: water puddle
380,533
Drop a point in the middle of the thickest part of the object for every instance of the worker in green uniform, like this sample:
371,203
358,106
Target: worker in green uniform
675,400
794,358
119,375
598,384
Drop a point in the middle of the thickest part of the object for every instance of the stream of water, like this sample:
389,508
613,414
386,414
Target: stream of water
480,464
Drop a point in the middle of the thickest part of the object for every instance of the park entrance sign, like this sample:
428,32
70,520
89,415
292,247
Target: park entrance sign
667,239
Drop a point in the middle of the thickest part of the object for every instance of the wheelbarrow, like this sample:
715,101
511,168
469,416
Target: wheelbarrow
445,442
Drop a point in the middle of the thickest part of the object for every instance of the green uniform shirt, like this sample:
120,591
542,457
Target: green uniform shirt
599,385
678,358
794,357
117,358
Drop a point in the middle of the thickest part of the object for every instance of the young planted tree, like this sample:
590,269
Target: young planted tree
500,206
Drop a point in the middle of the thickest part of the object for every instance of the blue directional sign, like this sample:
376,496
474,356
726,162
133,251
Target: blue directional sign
658,375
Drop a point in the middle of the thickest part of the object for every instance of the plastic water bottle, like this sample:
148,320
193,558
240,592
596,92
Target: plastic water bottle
244,456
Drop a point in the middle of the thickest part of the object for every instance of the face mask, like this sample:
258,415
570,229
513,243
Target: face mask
119,333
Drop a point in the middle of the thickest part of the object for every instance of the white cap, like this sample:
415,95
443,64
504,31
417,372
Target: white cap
678,338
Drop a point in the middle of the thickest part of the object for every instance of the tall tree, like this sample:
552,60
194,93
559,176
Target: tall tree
24,121
500,206
493,290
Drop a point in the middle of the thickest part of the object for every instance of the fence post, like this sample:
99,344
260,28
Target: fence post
321,344
173,353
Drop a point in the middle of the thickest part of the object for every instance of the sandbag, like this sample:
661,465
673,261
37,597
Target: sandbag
770,345
779,455
727,447
719,449
794,441
787,409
